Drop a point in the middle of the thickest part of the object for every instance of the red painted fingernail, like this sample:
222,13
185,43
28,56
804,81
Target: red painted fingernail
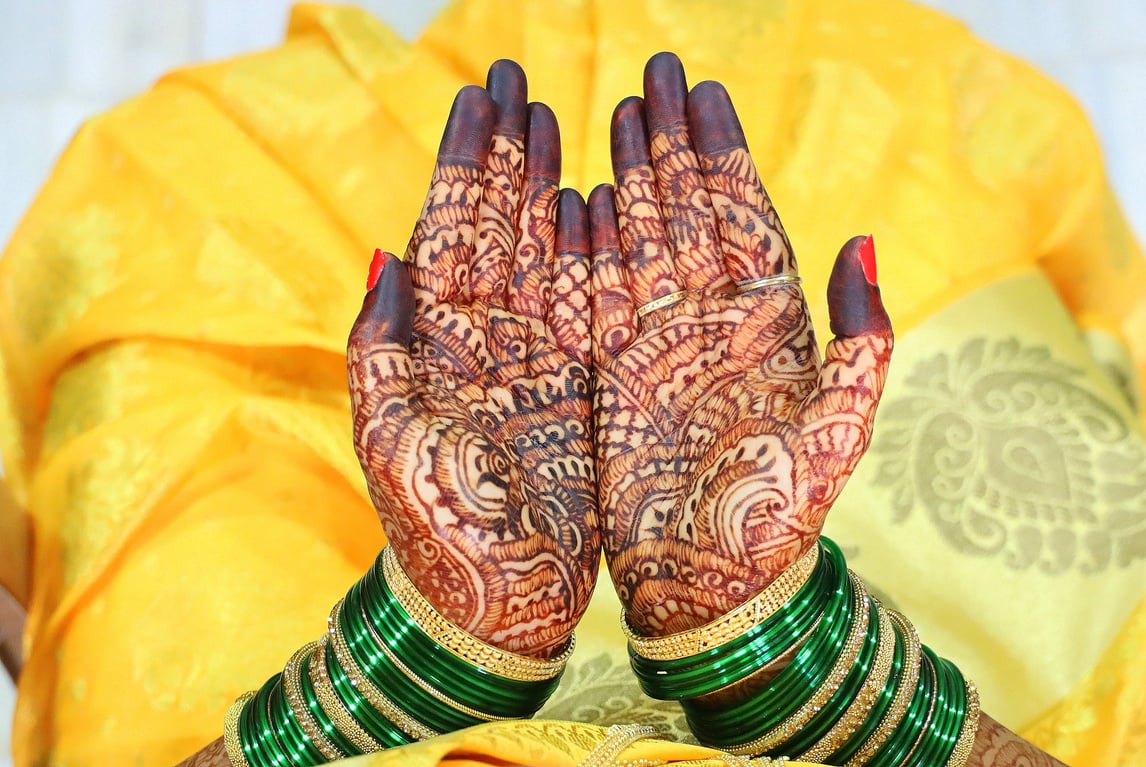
375,269
867,259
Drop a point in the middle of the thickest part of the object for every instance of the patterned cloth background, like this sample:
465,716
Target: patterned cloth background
64,61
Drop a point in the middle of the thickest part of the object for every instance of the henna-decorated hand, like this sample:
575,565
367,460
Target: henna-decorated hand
721,439
469,381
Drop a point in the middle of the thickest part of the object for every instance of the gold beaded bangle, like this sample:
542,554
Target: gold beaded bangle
962,751
908,679
306,721
858,710
466,646
231,741
733,623
853,643
378,699
332,706
425,686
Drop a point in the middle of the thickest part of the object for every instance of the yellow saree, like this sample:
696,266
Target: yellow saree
175,426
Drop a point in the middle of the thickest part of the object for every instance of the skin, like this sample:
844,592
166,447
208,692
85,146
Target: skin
470,385
468,369
722,440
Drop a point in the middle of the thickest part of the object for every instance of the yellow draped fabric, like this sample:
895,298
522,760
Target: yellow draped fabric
174,308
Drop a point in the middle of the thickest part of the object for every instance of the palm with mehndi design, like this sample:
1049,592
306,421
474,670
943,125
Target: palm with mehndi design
722,440
469,380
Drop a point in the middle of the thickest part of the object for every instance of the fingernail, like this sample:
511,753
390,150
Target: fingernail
867,259
376,265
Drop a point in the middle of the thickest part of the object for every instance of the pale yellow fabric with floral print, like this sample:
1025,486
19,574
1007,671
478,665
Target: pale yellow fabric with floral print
174,308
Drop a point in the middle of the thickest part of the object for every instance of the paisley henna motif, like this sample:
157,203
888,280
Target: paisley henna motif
470,386
721,439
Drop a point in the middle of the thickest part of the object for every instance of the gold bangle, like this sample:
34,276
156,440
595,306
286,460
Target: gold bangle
664,302
733,623
461,643
853,643
858,710
908,679
772,280
292,686
966,742
332,706
378,699
425,686
231,741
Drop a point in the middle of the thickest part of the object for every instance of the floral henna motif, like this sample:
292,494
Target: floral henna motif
721,439
471,413
685,204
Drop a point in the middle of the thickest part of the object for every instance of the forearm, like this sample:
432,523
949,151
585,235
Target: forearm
11,633
996,746
212,755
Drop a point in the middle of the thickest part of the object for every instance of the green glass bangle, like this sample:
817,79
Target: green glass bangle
410,642
411,727
819,725
273,752
750,719
931,660
958,712
310,698
731,663
298,748
875,716
263,749
898,747
470,684
805,598
375,586
365,646
379,727
940,738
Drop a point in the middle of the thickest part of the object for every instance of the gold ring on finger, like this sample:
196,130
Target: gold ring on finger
672,299
771,281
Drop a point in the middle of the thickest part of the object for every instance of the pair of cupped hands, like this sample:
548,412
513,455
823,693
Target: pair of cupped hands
539,378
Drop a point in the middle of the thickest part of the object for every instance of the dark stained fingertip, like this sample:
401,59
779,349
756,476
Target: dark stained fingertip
542,144
603,234
666,91
572,222
389,305
469,127
508,88
712,119
854,304
630,140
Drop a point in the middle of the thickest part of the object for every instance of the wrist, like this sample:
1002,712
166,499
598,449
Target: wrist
390,670
830,675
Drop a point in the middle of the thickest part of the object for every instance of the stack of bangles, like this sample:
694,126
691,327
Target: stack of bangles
328,703
815,669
